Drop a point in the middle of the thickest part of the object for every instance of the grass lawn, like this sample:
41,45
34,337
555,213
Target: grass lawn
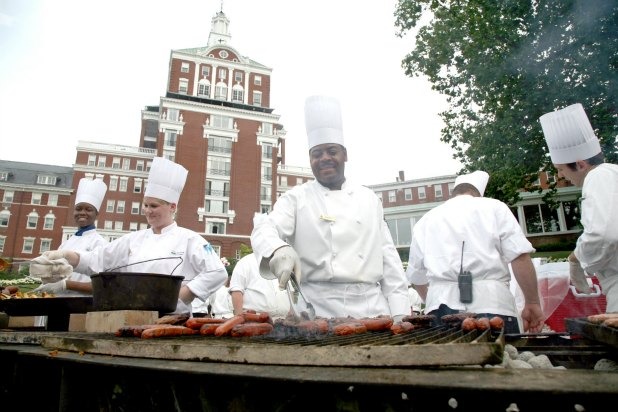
555,255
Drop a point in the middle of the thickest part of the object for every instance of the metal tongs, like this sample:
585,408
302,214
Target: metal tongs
303,309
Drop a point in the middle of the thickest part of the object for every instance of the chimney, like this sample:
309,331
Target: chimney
401,176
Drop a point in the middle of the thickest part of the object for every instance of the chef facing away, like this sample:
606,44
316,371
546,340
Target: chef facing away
330,233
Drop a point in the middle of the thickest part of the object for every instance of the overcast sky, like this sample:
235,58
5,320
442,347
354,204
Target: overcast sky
79,70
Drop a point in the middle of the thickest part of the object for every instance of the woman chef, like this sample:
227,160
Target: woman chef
333,232
185,252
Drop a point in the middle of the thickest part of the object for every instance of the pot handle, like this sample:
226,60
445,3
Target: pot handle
149,260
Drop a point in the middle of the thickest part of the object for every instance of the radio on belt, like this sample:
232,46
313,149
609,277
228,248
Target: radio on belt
465,281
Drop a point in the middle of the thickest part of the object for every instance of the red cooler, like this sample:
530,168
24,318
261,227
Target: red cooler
577,305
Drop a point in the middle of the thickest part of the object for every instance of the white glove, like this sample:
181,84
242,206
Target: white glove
283,263
54,254
55,288
49,270
182,308
578,277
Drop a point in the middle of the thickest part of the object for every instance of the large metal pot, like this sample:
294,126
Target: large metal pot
135,291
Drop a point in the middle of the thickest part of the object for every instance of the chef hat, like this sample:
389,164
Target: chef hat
477,179
323,121
166,180
91,191
569,135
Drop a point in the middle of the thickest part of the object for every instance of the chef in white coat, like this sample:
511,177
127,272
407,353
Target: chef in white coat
331,233
164,247
250,291
88,199
479,235
576,154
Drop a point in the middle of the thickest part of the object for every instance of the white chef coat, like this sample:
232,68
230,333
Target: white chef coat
597,247
201,267
87,242
349,264
259,294
493,238
221,303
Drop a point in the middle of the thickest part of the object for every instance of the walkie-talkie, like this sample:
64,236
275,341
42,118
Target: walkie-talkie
465,281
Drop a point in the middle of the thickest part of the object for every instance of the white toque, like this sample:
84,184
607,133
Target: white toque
477,179
165,180
91,191
569,135
323,121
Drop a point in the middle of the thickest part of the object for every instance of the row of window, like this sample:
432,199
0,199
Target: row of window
119,163
36,199
221,90
221,73
421,191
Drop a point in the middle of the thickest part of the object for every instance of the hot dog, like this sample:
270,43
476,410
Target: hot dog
134,330
251,329
401,327
167,330
208,329
226,327
349,328
196,323
377,324
175,319
251,316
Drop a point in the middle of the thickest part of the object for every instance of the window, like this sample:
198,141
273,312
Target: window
133,226
48,223
33,219
257,80
541,219
203,88
109,225
126,164
205,71
4,176
52,200
8,196
28,245
238,93
116,163
222,122
267,151
392,196
137,185
217,188
267,172
265,193
118,225
216,206
215,227
437,189
110,206
572,215
102,160
120,206
36,198
143,226
267,128
551,178
173,114
2,240
222,74
139,166
407,193
221,91
421,192
265,208
183,86
148,165
170,138
219,145
184,68
124,183
401,231
92,159
5,216
113,183
257,98
46,180
45,245
283,181
135,206
450,188
237,76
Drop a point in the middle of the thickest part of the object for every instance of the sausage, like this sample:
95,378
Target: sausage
166,331
468,324
208,329
134,330
349,328
226,327
318,326
196,323
252,316
251,329
401,327
496,323
175,319
377,324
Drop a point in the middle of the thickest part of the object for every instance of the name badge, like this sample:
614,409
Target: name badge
327,218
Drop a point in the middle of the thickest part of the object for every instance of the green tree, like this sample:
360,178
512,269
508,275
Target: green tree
502,64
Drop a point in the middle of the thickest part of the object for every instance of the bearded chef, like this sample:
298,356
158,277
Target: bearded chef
164,247
331,233
576,154
479,235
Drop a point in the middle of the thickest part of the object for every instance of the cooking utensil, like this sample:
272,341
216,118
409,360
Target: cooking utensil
301,308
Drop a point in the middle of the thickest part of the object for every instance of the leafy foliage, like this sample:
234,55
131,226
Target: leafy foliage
504,63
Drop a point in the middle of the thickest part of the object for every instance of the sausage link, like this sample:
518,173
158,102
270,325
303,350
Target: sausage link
401,327
257,317
196,323
251,329
349,328
226,327
166,331
377,324
208,329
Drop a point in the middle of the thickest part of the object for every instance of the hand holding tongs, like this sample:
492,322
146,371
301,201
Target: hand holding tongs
294,292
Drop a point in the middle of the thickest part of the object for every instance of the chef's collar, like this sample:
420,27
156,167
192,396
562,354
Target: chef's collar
169,227
84,229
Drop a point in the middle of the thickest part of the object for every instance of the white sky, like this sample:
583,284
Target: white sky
79,70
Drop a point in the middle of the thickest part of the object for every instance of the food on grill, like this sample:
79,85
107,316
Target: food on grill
482,324
226,327
208,329
401,327
456,318
251,329
318,326
134,330
197,323
420,320
601,317
166,331
26,295
349,328
496,323
611,322
175,319
377,324
257,317
468,324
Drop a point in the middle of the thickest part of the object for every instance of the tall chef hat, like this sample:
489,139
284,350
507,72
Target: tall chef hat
165,180
477,179
323,121
569,135
91,191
